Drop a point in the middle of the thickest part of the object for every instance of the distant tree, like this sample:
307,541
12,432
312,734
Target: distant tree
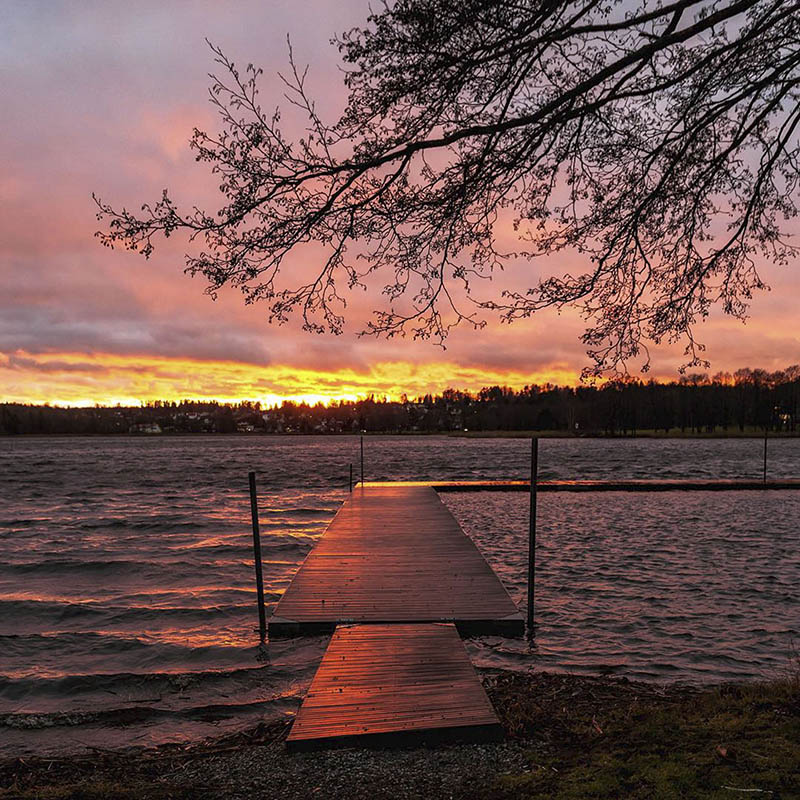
224,421
659,143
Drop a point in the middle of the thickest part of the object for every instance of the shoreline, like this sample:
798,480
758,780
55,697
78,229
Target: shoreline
566,736
488,434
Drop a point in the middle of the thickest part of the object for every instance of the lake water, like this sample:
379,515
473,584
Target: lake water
127,603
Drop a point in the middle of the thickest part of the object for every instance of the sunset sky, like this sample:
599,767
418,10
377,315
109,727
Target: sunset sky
103,96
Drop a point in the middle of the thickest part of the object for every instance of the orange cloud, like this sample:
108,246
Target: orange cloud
78,379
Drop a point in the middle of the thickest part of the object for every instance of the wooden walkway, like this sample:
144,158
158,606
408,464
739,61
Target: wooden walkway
394,684
654,485
395,554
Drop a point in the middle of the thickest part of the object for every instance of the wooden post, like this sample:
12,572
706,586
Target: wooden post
362,460
262,617
350,482
765,455
532,530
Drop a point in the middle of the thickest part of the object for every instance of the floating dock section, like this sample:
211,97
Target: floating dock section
655,485
395,554
397,580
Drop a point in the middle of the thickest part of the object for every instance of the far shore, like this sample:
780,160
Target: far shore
567,737
748,433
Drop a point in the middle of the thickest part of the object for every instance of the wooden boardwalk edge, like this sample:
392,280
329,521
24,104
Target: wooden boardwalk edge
465,734
513,626
391,685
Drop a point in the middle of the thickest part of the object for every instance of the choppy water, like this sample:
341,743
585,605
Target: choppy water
127,608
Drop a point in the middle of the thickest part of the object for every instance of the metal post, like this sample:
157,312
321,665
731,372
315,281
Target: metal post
532,530
350,482
362,461
765,455
262,617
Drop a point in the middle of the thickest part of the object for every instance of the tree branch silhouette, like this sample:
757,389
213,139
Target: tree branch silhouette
659,147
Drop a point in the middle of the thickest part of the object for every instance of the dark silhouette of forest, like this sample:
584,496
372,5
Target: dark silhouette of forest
746,401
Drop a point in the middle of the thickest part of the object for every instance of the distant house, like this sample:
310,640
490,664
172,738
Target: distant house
145,427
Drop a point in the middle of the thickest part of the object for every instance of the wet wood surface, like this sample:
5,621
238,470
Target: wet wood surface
653,485
397,683
395,554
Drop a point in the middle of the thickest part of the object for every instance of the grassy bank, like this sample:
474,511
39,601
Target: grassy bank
567,738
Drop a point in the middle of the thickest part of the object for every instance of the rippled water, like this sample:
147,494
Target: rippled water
127,609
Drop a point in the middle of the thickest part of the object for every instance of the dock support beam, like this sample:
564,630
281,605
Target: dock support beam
362,461
532,530
765,454
262,616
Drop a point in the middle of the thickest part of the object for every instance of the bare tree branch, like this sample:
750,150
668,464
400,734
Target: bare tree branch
658,146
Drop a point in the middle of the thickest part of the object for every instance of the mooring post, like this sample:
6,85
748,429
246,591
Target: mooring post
262,617
765,455
362,460
350,482
532,530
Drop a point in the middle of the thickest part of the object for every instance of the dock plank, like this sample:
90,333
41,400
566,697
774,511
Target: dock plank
395,554
383,684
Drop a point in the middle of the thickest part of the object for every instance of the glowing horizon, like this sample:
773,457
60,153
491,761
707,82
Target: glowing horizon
75,379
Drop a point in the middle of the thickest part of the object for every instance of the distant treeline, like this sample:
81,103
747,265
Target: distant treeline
747,400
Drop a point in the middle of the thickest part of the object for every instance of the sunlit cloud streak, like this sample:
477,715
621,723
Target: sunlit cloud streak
72,379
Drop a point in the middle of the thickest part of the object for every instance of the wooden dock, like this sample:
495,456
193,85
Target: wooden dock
395,554
398,580
394,684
